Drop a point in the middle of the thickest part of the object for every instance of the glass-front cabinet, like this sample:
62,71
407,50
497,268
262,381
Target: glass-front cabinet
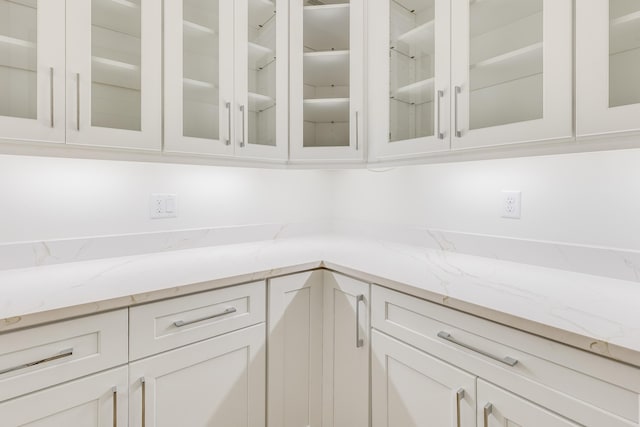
409,74
327,79
511,71
114,73
226,78
32,64
607,66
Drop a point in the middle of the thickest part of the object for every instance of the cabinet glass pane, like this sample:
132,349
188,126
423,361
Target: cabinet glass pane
326,73
262,72
624,52
201,60
18,58
412,61
115,64
505,63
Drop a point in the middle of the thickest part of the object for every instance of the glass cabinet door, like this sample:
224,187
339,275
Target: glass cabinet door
511,71
32,69
608,66
409,68
114,73
326,79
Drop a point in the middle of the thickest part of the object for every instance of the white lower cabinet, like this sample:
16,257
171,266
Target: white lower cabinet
96,401
217,382
409,388
318,351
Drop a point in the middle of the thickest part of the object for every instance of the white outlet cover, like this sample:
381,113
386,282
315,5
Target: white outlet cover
511,204
163,206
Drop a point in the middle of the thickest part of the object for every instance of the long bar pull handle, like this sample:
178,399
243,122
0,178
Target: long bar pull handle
438,117
78,102
181,323
143,384
114,390
487,410
51,99
61,355
357,130
359,340
457,92
459,397
506,360
228,140
243,142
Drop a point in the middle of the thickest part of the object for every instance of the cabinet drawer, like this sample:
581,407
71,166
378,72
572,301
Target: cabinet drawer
42,356
172,323
557,376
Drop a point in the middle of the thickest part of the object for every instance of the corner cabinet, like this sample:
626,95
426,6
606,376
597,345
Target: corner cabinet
607,67
226,78
327,80
114,73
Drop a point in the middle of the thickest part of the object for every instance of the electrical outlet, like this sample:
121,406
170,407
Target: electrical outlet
511,204
163,206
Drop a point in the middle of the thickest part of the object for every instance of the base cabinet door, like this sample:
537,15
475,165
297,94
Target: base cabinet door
499,408
217,382
96,401
412,389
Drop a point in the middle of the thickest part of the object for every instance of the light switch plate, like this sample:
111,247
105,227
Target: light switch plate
511,204
163,206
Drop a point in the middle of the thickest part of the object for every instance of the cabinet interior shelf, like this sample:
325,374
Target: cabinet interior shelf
260,12
326,110
259,102
125,3
519,63
419,92
11,41
113,64
198,84
420,37
326,27
197,27
259,55
624,33
326,68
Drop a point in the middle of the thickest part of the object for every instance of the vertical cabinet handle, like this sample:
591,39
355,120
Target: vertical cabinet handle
114,390
359,340
357,130
243,141
51,103
488,409
459,397
143,384
78,102
438,117
228,140
457,92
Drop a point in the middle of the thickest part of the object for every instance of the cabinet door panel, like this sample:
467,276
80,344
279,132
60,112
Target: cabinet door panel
32,65
411,388
114,73
499,408
220,381
89,402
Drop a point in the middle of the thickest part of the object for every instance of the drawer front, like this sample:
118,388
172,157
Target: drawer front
42,356
560,377
168,324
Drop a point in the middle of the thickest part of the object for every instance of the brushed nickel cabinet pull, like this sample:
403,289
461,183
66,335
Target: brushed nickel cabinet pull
61,355
457,92
228,140
359,340
143,384
459,397
114,390
181,323
243,141
488,409
51,100
438,117
506,360
78,102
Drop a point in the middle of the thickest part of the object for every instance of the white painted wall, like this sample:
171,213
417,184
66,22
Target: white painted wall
586,198
52,198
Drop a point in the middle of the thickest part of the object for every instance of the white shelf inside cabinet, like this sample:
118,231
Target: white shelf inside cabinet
197,28
415,93
17,54
420,38
624,33
125,3
121,16
115,73
259,102
326,68
259,55
13,42
489,15
326,110
519,63
260,11
326,27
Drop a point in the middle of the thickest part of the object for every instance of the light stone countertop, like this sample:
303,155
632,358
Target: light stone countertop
597,314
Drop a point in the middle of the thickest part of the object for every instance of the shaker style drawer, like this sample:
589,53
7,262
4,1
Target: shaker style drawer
167,324
562,378
39,357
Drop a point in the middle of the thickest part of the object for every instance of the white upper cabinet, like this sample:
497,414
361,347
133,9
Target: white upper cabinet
607,66
511,71
409,74
327,80
225,67
32,46
114,73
